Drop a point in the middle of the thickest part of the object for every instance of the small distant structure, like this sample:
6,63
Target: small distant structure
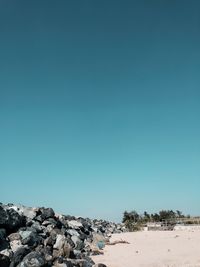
189,227
154,226
189,224
160,226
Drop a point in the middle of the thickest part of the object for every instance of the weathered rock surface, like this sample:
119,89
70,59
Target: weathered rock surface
10,219
33,259
37,237
4,261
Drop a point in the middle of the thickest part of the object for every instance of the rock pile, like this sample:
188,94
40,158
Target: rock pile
37,237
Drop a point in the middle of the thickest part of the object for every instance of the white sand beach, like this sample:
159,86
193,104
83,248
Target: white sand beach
153,249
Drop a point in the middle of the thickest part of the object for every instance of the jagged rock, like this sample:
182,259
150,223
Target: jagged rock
46,251
4,244
56,231
36,237
14,236
29,238
54,234
28,212
61,247
83,236
76,254
4,261
47,213
7,252
10,219
33,259
55,253
75,224
95,229
19,255
60,265
39,218
87,262
70,242
78,243
49,241
73,232
64,252
15,245
36,226
60,241
51,221
3,217
49,228
2,234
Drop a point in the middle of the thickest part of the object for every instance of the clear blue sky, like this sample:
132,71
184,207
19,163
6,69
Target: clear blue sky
100,105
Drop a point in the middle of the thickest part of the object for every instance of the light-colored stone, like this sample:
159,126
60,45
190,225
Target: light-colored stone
60,265
60,240
75,239
74,224
6,252
73,232
25,234
15,245
26,211
14,236
61,247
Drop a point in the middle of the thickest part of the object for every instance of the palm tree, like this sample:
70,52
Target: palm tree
179,214
146,217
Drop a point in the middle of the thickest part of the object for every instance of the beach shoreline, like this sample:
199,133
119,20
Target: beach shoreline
153,249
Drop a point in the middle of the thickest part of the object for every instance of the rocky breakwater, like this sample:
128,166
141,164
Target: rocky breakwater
37,237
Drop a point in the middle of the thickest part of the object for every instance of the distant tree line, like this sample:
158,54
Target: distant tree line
133,221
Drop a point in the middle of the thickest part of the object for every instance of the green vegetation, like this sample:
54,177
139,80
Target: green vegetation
133,221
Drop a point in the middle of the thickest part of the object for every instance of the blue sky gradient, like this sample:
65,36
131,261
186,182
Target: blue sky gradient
100,105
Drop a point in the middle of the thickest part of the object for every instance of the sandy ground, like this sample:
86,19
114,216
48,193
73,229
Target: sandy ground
153,249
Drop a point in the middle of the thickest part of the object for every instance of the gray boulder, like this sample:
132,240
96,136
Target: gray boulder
4,244
29,212
61,247
46,213
2,234
15,245
79,245
7,252
18,255
10,219
75,224
73,232
4,261
33,259
30,238
14,236
36,237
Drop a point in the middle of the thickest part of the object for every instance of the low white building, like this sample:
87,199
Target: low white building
188,227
